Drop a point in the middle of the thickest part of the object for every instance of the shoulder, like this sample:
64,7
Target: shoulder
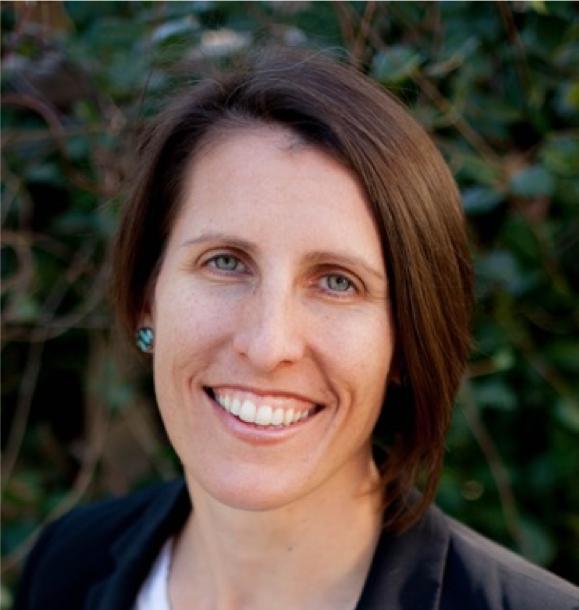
440,564
77,550
95,526
490,576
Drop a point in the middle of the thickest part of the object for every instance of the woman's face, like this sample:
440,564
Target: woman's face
273,333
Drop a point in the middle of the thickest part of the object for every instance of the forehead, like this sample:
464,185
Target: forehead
270,172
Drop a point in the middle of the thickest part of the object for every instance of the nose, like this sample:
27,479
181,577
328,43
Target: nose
271,330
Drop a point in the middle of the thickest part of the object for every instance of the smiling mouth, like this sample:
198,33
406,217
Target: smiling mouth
260,413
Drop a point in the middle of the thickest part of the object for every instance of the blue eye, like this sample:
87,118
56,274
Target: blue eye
338,283
226,262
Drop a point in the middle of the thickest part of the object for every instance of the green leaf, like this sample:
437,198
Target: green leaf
478,200
175,28
45,173
520,240
6,598
86,12
116,34
454,6
538,544
560,154
500,269
127,74
503,359
472,167
561,8
494,394
538,6
26,308
571,96
567,413
567,101
396,64
564,354
532,181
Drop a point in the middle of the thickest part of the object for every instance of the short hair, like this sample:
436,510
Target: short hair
412,196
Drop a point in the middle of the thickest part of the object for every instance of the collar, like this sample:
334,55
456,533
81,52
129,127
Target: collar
134,552
407,570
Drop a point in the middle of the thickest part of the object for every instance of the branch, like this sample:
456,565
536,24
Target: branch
71,499
98,422
516,45
343,15
33,364
496,465
25,395
362,37
454,117
22,277
58,133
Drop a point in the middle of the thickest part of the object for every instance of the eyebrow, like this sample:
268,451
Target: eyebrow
317,257
234,242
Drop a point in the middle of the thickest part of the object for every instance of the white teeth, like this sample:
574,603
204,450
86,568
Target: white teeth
264,416
248,412
277,417
235,406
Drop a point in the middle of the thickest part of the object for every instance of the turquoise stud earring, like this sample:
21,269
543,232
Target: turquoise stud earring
144,338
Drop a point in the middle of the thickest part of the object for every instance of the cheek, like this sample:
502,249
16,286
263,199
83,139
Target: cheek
186,333
186,318
361,345
358,353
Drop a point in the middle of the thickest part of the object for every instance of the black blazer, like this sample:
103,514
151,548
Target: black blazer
97,557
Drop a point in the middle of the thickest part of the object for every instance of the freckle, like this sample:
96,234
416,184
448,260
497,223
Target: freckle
290,549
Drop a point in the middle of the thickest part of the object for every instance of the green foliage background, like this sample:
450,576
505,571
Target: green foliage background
496,85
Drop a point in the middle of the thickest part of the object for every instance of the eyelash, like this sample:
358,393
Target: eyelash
212,262
352,288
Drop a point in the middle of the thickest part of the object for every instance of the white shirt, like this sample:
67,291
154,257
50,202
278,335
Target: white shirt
154,592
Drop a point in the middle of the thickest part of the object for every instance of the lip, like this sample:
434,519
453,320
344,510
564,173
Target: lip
253,433
274,393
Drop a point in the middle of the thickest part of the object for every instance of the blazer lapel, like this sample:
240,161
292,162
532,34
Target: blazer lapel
408,568
135,551
406,573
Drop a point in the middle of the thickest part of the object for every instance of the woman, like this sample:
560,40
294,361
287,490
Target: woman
293,259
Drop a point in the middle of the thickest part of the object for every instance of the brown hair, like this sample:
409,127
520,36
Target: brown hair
413,198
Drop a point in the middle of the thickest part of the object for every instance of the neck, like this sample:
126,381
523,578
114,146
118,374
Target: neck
313,553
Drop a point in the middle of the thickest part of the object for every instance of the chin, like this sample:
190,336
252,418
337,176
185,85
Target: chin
247,495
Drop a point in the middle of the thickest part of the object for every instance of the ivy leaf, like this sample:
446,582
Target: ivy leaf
494,393
479,199
500,269
538,6
396,64
560,155
539,546
174,29
564,354
532,181
567,413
